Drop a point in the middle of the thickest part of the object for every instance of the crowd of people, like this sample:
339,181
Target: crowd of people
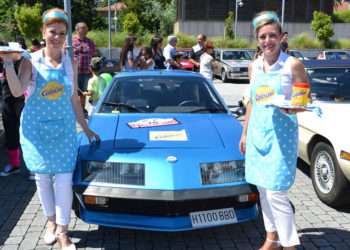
50,80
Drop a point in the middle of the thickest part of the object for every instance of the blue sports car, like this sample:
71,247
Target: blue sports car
168,159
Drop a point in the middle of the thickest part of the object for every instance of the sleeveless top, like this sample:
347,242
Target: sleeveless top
48,124
272,135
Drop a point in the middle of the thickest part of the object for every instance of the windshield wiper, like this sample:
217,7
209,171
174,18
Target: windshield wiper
121,104
211,110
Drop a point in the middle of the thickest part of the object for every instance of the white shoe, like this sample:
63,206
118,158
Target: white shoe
71,246
49,238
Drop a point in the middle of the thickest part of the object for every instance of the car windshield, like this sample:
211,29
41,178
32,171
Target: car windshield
296,54
342,55
236,55
330,82
161,94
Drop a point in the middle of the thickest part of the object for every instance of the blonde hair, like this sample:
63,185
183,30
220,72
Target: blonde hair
264,18
55,15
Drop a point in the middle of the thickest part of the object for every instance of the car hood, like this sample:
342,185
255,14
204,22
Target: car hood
332,124
191,131
237,63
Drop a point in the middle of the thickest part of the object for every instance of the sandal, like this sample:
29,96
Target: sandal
275,244
63,239
50,237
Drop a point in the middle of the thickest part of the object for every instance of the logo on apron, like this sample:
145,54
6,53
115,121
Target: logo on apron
52,91
264,94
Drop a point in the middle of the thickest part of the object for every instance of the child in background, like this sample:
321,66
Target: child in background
145,59
96,84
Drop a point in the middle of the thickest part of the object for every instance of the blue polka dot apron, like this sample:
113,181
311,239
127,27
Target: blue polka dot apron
48,124
272,137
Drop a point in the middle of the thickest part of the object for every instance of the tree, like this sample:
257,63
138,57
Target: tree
131,23
322,26
8,27
28,20
229,25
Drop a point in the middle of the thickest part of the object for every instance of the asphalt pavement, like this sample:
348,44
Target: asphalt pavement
22,221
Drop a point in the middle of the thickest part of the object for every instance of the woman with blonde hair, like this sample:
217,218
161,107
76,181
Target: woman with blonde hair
48,123
270,134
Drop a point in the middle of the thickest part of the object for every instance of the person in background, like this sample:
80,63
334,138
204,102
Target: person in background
284,42
145,59
48,133
96,84
22,42
156,45
83,50
198,50
127,57
270,134
169,53
206,61
35,45
11,113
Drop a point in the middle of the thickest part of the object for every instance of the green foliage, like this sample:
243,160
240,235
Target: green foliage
322,26
185,41
8,27
229,25
304,41
341,16
168,18
131,23
29,20
85,11
342,44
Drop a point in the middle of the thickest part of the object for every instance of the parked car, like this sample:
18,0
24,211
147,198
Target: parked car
297,54
324,141
333,55
183,56
168,159
231,64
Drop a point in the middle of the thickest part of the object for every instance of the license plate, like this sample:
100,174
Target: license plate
213,217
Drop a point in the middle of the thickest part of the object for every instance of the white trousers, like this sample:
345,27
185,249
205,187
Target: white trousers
56,195
278,216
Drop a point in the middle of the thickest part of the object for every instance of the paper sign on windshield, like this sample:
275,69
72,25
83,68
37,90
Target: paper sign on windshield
153,122
180,135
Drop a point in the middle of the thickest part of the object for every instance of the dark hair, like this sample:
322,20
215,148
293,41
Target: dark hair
35,42
21,41
128,46
155,41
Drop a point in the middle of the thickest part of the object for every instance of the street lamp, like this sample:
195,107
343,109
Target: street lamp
239,3
282,15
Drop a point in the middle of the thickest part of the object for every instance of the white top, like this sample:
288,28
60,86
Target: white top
206,67
197,48
36,56
127,66
283,63
169,52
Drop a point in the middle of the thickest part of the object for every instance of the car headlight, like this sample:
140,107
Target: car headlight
222,172
114,172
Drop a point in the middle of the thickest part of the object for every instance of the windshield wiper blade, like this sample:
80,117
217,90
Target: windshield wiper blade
121,104
211,110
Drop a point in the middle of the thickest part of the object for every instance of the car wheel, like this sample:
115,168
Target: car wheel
328,179
223,76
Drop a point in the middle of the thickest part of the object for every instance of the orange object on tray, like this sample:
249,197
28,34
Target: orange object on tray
300,94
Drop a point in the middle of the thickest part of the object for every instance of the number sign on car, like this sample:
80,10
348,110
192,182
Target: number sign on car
213,217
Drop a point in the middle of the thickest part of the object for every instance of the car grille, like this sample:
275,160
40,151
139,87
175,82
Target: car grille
167,208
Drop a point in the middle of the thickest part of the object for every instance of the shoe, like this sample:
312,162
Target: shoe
276,245
49,238
63,237
9,169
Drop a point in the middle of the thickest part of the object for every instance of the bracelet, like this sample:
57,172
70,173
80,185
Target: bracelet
8,64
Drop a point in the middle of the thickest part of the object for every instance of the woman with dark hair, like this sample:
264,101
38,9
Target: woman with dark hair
11,113
127,58
145,58
156,46
270,134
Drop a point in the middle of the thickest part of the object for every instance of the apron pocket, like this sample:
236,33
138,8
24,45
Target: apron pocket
263,140
51,131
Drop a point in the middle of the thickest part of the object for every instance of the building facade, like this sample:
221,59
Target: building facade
208,16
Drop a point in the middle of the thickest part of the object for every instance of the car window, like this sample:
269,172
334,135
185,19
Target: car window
161,94
330,82
337,55
236,55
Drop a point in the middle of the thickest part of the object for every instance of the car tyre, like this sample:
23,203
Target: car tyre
328,180
223,76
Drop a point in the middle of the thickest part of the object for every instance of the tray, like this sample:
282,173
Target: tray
9,50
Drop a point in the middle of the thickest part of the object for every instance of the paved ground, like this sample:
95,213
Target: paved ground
22,224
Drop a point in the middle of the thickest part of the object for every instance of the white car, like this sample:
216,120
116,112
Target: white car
324,141
231,64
